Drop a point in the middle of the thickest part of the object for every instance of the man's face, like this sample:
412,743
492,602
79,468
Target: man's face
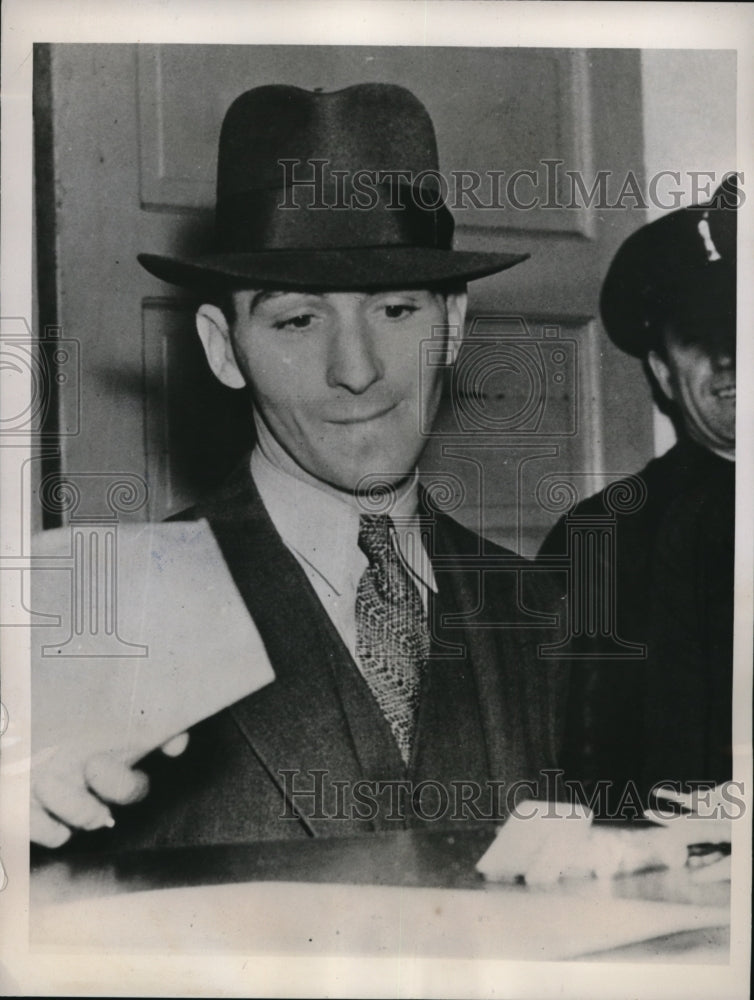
337,377
703,385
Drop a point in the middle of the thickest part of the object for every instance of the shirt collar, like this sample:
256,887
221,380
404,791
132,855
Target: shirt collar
322,526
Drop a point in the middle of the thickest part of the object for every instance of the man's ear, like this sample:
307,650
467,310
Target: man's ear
455,304
214,333
662,373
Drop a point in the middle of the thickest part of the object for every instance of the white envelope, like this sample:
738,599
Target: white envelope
153,636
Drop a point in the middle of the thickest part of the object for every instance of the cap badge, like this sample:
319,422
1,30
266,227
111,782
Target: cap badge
704,232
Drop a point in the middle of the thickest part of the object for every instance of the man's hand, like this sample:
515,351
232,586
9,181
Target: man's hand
64,800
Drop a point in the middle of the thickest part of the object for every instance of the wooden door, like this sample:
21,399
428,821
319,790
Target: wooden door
540,395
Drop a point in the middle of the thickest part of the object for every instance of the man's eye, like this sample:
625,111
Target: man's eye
399,311
300,322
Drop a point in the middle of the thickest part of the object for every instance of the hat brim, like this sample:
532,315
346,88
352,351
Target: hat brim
342,269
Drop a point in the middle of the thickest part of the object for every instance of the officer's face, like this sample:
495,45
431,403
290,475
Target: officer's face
703,385
338,378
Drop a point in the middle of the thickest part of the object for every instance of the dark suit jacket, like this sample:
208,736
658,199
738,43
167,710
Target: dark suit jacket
490,708
667,716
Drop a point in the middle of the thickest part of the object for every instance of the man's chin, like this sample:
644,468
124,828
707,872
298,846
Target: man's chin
721,436
719,442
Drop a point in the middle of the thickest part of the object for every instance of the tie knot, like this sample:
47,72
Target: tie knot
376,537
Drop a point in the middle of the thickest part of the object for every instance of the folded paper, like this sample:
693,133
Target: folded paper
145,635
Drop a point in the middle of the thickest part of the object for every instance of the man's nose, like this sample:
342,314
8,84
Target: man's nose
724,359
353,362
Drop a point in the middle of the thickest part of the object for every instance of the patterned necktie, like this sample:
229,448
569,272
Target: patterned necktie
392,633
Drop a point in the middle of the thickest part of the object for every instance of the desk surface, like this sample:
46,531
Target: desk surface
442,896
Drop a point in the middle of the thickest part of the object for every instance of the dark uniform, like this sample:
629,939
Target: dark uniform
667,715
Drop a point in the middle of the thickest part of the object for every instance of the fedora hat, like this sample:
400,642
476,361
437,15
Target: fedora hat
679,270
328,190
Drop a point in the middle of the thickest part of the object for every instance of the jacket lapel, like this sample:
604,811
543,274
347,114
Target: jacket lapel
454,730
520,693
497,692
318,715
284,722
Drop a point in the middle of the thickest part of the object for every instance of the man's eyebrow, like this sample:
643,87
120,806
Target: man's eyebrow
259,297
263,296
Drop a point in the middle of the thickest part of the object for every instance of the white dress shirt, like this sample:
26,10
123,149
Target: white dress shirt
320,526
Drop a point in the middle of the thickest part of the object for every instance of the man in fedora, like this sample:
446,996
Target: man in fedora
669,298
333,267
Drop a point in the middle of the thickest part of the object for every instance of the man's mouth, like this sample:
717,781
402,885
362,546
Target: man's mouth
723,392
364,418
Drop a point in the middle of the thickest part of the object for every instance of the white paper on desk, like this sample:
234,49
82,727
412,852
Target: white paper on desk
175,596
540,842
543,842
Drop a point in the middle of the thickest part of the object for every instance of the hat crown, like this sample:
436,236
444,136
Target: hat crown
357,215
679,269
373,127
